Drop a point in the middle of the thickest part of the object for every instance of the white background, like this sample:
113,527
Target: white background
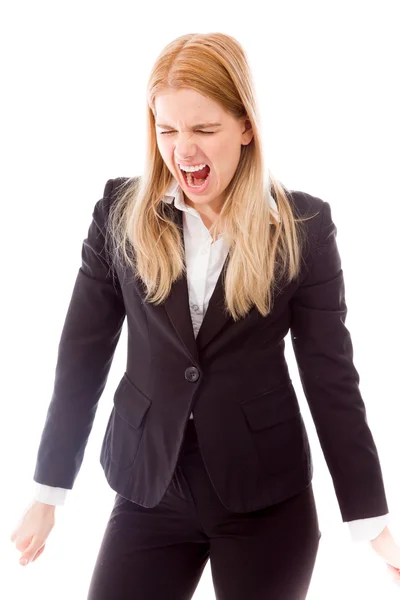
73,82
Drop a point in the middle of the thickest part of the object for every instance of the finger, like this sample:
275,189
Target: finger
30,551
38,553
13,536
24,543
394,572
392,568
14,532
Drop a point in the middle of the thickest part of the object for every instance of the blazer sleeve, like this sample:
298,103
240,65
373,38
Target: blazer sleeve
88,340
324,353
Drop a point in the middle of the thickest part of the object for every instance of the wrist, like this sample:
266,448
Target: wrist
44,506
384,537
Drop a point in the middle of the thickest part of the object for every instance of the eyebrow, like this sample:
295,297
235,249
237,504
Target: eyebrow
198,126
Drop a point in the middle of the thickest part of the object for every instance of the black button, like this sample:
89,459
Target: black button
192,374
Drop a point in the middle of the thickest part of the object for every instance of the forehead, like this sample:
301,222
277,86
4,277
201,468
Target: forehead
186,106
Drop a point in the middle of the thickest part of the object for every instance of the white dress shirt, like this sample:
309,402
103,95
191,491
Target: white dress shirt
204,261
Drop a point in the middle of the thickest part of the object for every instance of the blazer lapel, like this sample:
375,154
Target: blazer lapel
178,310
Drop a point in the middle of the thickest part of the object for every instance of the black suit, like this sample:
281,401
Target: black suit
233,377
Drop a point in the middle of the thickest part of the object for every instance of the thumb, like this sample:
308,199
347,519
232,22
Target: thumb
29,552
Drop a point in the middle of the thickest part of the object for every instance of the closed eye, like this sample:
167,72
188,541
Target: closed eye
205,132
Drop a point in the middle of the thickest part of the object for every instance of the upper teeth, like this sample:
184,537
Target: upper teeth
192,169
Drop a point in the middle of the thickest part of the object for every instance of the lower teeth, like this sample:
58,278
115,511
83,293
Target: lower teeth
190,181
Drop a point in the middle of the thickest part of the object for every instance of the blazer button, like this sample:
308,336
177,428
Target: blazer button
192,374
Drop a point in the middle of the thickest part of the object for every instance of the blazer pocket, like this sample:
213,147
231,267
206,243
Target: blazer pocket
275,421
130,410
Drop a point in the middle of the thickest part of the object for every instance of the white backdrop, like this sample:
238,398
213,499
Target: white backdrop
72,116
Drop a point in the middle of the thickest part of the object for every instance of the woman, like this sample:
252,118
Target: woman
212,261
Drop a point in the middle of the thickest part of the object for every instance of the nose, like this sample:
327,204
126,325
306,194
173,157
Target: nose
184,147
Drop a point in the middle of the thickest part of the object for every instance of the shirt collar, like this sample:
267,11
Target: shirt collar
174,192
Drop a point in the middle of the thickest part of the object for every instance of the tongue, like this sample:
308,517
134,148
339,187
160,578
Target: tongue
202,174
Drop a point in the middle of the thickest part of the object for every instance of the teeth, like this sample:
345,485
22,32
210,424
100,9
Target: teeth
191,183
192,169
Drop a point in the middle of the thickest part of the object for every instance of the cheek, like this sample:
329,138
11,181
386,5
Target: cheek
223,148
165,151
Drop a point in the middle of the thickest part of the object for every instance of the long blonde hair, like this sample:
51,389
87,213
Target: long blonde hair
260,250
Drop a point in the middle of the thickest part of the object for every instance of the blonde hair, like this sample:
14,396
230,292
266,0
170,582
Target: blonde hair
260,251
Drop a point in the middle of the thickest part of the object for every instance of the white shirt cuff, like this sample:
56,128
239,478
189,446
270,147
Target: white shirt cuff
49,494
362,530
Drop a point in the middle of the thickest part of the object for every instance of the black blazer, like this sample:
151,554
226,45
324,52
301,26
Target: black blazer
234,377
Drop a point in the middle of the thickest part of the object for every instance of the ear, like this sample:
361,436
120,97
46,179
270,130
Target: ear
247,133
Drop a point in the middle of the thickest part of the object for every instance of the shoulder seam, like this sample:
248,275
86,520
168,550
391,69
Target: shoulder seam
322,220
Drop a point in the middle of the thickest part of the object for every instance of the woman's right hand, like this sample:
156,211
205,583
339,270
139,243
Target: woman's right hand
31,533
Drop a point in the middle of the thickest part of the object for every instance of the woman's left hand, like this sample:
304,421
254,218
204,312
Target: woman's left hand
386,547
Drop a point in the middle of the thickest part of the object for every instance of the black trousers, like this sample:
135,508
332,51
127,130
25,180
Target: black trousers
160,553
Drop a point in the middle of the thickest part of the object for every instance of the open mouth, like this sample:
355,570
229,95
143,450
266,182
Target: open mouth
196,179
